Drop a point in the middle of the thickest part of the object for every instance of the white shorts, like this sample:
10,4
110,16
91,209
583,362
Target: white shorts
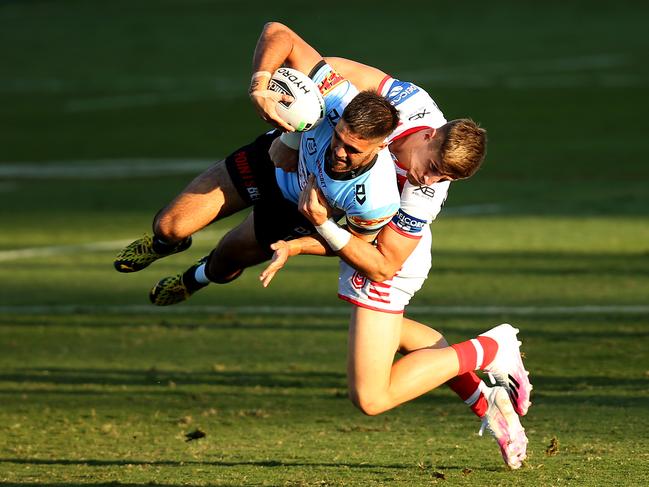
390,296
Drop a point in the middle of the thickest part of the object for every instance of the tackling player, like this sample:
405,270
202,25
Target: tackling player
428,153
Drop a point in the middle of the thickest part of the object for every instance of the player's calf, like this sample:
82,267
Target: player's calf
497,352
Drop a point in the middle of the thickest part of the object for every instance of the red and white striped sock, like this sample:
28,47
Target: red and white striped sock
470,389
475,354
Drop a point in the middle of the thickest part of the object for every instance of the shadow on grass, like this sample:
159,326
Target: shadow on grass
156,377
226,463
578,390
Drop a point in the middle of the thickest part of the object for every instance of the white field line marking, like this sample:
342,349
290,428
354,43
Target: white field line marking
9,255
35,252
155,90
226,86
326,310
144,99
527,67
102,168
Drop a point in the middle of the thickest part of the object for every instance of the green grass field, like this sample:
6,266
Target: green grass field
99,388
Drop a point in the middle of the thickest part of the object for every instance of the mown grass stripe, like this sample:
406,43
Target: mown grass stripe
318,310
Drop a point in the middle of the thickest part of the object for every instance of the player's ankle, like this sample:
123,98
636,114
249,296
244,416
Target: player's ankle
165,245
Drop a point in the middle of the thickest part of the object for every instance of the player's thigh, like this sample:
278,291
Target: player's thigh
239,248
373,341
210,196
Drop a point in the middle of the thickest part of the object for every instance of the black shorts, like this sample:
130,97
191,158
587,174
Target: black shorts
253,174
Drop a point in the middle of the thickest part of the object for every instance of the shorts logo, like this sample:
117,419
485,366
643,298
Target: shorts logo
358,280
408,223
360,194
400,92
247,176
330,81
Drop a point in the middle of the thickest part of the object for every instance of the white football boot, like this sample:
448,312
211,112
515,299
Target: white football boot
503,423
507,370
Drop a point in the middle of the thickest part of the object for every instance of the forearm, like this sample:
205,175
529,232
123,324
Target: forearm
361,255
273,48
368,260
279,45
310,245
357,250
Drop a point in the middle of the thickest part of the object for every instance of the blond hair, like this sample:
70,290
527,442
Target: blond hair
463,148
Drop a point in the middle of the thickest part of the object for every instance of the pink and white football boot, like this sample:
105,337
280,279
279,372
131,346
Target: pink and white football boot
507,370
505,426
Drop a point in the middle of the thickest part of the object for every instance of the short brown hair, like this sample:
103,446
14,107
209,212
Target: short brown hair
463,148
371,116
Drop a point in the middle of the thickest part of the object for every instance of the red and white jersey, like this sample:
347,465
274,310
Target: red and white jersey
417,110
419,206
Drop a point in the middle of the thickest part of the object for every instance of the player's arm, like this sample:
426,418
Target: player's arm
312,244
307,245
277,45
362,76
378,263
283,151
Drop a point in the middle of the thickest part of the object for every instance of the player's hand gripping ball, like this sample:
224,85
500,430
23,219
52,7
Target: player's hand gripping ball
307,108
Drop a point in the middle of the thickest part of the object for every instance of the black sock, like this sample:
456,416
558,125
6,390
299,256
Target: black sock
162,247
189,280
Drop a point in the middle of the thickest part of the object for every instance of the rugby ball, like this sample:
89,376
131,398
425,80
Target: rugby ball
308,107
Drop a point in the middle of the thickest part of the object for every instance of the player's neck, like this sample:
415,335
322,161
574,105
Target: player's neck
401,150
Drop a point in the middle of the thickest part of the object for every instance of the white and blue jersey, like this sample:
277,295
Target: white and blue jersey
368,200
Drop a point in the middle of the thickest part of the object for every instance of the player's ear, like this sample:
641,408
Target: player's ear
431,133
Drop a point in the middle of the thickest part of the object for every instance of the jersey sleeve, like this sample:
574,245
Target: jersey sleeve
420,205
336,91
367,223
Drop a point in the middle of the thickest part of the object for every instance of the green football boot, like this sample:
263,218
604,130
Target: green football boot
140,254
174,289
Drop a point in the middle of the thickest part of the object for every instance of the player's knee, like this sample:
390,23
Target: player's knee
366,403
169,227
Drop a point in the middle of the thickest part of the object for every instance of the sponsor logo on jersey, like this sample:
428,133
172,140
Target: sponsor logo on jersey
330,81
311,146
419,115
362,222
321,178
424,191
332,117
360,194
408,223
400,91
